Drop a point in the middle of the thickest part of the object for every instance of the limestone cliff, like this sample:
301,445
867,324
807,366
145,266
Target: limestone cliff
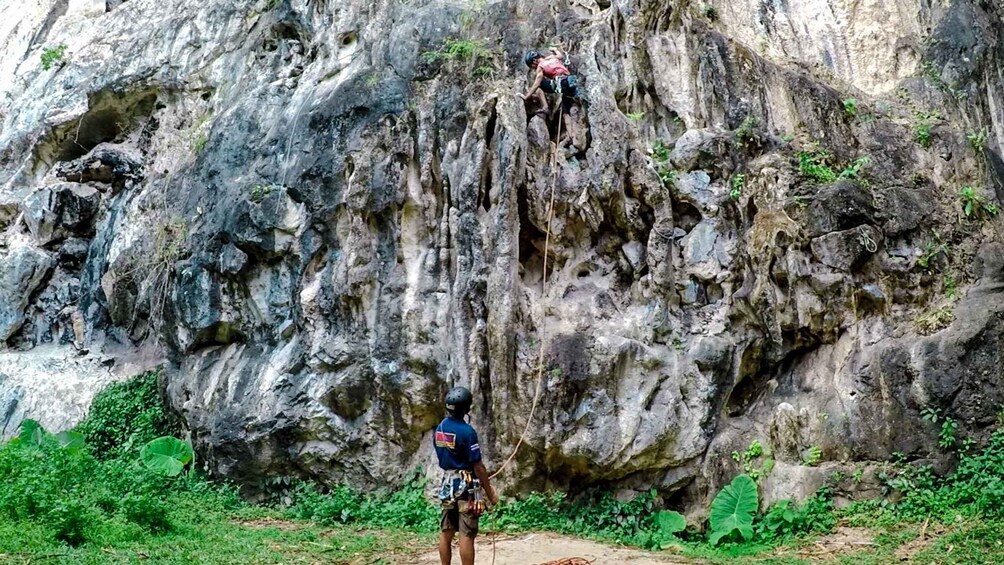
324,214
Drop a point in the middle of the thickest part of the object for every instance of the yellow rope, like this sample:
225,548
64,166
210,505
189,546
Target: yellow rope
543,325
543,293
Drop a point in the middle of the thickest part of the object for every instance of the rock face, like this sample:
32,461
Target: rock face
326,214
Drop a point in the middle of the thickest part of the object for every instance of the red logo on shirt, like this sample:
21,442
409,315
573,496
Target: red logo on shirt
444,439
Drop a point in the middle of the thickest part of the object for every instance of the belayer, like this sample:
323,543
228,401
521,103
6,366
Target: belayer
553,77
464,475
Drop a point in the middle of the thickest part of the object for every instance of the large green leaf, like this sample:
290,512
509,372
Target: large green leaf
166,455
70,441
733,509
32,434
670,522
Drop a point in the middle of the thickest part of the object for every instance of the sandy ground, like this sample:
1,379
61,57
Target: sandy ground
533,549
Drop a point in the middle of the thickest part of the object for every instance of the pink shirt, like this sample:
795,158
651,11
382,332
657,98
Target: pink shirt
553,67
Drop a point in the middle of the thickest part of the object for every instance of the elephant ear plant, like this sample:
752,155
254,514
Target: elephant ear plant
733,510
166,456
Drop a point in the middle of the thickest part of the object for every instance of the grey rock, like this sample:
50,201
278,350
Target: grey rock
699,149
840,206
60,210
22,270
848,249
232,260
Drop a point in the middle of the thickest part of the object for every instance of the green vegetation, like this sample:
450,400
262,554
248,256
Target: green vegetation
813,456
934,320
260,192
733,509
738,183
816,165
710,12
53,56
125,416
923,122
749,458
978,140
660,153
932,72
853,171
481,61
932,249
121,489
949,285
746,132
850,107
975,205
635,117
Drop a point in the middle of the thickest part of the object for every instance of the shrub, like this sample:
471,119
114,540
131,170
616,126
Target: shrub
922,124
53,55
815,165
785,519
975,205
125,416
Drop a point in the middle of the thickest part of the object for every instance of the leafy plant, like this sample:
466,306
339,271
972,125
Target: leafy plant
260,192
660,152
922,124
733,508
978,140
975,205
934,320
813,456
946,435
949,284
125,416
748,460
738,183
932,249
166,456
785,519
667,524
147,512
710,12
850,107
481,61
53,55
635,117
853,170
815,165
746,132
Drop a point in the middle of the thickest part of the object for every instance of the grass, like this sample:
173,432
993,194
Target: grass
93,503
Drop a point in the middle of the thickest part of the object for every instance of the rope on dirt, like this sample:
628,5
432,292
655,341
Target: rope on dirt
543,324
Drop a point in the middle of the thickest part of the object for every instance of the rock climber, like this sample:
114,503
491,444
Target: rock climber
464,475
552,76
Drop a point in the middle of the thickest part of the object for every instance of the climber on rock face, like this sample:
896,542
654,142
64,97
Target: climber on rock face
464,475
552,76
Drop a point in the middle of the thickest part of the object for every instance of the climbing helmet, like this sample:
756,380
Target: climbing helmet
459,400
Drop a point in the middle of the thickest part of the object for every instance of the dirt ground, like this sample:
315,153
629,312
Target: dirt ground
534,549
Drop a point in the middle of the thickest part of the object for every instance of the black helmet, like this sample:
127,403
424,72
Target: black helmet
458,401
530,57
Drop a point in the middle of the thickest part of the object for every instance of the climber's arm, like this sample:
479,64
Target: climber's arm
536,84
482,473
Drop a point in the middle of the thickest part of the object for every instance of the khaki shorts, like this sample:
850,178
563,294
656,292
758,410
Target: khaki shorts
453,520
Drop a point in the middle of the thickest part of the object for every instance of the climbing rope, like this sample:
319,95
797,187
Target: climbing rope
543,324
543,293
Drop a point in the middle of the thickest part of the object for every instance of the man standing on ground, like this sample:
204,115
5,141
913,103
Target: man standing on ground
459,457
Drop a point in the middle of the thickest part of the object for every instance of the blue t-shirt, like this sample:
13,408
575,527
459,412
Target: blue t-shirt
456,445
